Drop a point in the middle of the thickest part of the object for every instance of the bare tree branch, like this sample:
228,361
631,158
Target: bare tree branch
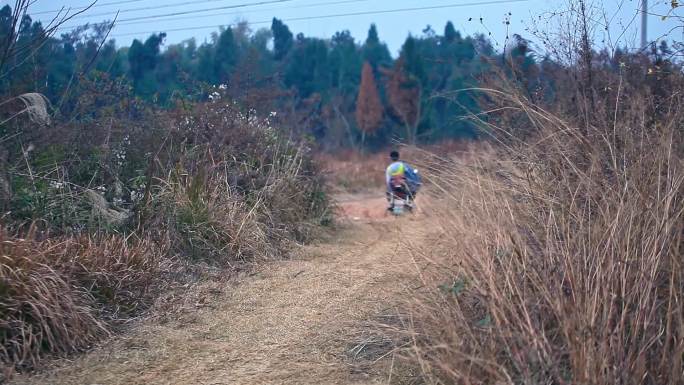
10,46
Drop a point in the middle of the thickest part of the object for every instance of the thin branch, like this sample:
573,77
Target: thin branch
11,50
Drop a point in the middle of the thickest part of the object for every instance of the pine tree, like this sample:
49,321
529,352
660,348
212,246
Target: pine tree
345,63
135,55
282,39
375,52
204,68
413,58
226,56
450,34
369,110
307,66
143,59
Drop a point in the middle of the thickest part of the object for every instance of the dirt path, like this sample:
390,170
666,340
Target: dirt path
299,321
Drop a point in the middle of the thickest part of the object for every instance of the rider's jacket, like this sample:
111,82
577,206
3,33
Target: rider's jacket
400,169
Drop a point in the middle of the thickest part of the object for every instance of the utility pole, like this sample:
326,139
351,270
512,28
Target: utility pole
644,23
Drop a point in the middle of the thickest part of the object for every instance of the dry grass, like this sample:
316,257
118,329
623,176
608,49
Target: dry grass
207,221
351,171
242,194
59,295
300,321
560,260
218,189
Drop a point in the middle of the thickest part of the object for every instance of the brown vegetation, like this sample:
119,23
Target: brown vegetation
102,219
58,295
369,109
352,171
560,260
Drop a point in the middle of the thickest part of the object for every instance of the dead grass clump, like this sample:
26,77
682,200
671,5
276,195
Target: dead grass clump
59,296
119,273
236,190
207,221
295,200
560,260
41,310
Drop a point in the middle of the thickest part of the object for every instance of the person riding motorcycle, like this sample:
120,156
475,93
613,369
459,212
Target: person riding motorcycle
400,177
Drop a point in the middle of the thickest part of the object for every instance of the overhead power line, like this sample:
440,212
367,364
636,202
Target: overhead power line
82,7
146,19
181,4
318,17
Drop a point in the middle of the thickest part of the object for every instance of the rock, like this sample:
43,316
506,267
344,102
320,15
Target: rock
102,211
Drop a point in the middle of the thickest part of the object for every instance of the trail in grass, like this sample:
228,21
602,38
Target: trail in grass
299,321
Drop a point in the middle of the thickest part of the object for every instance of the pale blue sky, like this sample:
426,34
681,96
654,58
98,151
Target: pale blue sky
393,26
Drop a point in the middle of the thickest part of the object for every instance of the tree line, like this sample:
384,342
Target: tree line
338,91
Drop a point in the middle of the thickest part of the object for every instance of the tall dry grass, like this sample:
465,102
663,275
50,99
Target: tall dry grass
561,255
240,192
58,295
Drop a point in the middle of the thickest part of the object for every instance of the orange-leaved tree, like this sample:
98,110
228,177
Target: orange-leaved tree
369,109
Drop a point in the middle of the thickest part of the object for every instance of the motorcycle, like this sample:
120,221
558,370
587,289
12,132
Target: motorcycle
400,199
